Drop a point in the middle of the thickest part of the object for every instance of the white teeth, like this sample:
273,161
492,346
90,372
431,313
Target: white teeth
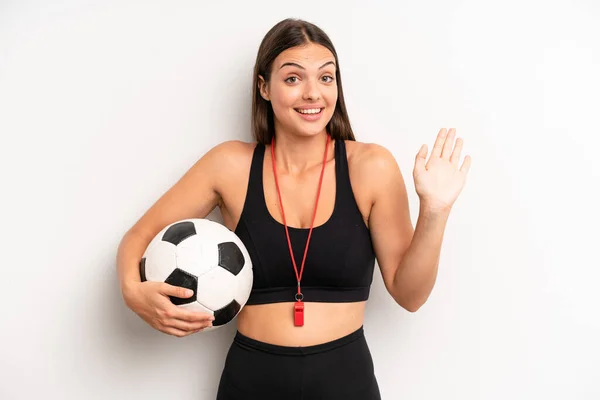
310,111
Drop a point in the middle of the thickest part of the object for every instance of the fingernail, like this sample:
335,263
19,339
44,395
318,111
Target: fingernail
189,292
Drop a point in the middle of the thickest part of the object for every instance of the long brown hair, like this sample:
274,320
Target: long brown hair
284,35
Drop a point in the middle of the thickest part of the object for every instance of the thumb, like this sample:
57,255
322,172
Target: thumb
421,158
177,291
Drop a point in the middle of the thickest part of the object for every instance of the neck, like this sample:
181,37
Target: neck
296,154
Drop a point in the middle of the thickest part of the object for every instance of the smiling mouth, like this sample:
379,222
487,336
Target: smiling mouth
314,111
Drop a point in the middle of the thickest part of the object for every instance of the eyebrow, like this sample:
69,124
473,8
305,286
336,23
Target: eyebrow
293,64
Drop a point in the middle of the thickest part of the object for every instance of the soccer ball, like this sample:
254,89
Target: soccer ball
206,257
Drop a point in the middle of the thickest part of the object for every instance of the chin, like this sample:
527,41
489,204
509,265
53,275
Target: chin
303,132
308,129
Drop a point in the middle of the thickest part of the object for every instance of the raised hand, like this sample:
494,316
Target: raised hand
439,181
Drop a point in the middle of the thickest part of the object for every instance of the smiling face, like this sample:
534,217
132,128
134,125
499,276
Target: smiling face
302,89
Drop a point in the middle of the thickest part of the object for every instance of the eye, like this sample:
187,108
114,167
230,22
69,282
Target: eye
330,77
291,77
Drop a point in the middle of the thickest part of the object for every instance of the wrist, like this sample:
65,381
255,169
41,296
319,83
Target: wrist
433,208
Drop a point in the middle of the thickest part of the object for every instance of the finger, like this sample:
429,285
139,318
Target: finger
439,143
420,158
448,144
457,150
176,332
466,166
177,291
188,326
189,316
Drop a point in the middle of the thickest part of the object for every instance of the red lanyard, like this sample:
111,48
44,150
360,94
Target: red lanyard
299,305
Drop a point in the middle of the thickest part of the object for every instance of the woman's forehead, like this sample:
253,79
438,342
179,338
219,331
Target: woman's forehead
311,55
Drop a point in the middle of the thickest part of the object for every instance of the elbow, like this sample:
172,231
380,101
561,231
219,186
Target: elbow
409,305
412,308
411,302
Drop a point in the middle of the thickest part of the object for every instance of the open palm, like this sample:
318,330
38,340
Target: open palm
439,181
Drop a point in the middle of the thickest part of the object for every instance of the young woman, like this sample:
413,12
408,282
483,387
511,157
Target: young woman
314,208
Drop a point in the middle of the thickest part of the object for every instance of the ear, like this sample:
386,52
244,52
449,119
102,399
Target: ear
263,88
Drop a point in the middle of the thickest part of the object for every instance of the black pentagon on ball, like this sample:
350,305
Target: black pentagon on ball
231,257
178,232
184,279
227,313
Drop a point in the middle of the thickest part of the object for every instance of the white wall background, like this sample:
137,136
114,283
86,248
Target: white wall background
105,104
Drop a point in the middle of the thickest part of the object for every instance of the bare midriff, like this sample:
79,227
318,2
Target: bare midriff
323,322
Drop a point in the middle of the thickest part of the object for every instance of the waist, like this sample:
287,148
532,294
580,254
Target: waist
323,322
245,341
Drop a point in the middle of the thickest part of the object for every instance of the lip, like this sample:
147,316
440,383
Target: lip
310,117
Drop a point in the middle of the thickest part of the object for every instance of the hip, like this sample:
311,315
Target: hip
339,369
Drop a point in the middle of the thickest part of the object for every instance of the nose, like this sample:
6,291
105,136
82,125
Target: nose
311,91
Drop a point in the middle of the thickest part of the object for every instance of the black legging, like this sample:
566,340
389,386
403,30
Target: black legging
340,369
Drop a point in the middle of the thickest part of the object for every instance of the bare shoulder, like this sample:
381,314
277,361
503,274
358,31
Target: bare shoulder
229,161
373,171
369,155
232,151
372,165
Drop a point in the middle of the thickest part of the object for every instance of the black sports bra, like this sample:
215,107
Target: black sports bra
340,259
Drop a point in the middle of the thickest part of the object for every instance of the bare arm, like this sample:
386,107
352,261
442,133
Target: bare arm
409,260
195,195
389,219
416,273
129,254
